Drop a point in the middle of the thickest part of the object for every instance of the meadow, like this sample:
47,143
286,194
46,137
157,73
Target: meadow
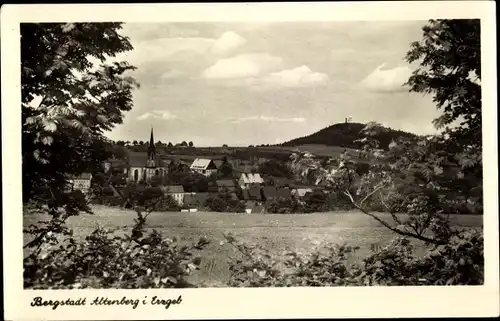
275,232
320,150
317,149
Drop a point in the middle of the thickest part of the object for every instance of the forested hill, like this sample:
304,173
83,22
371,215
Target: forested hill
344,134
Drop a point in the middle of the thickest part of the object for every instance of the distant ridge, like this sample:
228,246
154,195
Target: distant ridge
344,135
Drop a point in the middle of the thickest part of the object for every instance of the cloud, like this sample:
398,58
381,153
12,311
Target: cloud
228,42
260,71
146,31
388,80
172,74
165,49
270,119
157,114
180,48
242,66
301,76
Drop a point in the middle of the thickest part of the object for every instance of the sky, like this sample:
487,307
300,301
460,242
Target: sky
265,83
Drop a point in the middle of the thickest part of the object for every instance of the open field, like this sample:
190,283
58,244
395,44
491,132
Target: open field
276,232
319,150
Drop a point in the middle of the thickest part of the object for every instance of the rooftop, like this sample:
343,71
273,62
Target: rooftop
174,189
197,199
250,178
252,193
225,183
86,176
201,163
140,159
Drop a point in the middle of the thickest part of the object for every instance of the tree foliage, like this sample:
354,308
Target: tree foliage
225,170
181,174
275,168
67,100
420,176
449,55
138,259
459,262
78,101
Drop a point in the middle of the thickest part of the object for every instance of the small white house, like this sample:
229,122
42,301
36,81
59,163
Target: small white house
204,166
80,182
301,192
250,179
176,191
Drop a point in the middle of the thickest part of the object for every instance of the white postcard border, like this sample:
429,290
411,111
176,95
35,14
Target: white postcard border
248,303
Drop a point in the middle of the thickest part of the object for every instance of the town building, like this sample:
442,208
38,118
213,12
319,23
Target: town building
253,207
271,193
248,180
299,193
204,166
195,200
176,191
79,182
252,194
278,182
144,166
226,185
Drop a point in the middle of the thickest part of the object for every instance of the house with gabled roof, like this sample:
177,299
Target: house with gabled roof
299,193
279,182
204,166
271,193
252,207
79,182
195,200
252,193
226,185
247,180
176,191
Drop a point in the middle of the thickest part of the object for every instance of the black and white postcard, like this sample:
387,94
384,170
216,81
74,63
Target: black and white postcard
195,161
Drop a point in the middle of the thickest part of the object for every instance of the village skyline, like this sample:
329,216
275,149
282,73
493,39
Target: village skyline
266,83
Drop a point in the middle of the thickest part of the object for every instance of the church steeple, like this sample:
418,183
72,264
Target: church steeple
151,147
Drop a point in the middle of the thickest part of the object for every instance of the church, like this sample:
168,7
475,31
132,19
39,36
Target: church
143,166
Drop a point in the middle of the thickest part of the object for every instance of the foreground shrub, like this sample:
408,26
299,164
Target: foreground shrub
326,267
106,260
257,268
459,262
284,206
254,268
224,202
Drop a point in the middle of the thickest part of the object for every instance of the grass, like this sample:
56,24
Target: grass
317,149
276,232
322,150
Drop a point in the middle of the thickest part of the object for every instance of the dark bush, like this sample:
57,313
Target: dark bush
460,262
106,260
